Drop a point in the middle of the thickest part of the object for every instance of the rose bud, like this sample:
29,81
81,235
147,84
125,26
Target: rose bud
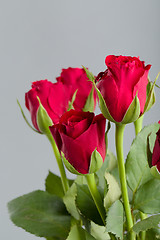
72,90
122,89
156,156
80,138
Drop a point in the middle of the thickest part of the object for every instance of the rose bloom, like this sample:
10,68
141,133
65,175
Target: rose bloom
55,97
124,78
156,152
77,135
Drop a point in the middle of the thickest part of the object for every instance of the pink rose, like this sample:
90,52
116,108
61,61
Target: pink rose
55,97
119,84
77,135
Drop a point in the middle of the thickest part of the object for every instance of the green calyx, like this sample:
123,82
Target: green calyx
69,166
102,103
43,119
133,112
70,104
150,99
24,117
95,163
89,105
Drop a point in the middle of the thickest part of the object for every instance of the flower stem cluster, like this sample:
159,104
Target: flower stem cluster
97,204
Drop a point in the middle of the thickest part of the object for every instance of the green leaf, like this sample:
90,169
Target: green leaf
40,213
101,172
133,112
96,162
78,233
150,145
114,191
69,166
89,105
112,161
69,200
55,238
26,118
155,172
99,232
54,186
148,223
86,204
70,104
152,139
147,197
115,173
43,119
114,220
137,169
81,180
153,234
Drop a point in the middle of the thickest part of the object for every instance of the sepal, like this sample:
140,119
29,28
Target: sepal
102,103
103,106
43,119
96,162
26,118
150,99
69,166
133,112
150,95
90,105
70,104
89,74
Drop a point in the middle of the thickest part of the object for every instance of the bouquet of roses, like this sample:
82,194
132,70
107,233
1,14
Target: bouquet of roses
110,198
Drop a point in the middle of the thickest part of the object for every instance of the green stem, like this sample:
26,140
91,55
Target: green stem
122,175
64,179
96,195
143,233
138,127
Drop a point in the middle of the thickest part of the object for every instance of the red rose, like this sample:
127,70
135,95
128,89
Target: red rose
119,84
77,135
156,152
55,97
76,79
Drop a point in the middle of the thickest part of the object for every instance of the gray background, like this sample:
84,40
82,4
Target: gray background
38,39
